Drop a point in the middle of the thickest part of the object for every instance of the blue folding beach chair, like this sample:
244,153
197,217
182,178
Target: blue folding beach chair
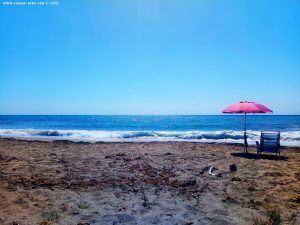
269,142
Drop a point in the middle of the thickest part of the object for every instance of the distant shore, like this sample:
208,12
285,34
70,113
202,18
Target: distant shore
66,182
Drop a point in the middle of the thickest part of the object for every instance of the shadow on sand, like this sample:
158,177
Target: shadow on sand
260,156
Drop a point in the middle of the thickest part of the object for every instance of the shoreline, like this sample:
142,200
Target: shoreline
66,182
55,139
289,138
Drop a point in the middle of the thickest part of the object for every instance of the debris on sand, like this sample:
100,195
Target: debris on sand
214,174
62,161
188,182
274,174
233,167
145,199
141,183
204,169
237,179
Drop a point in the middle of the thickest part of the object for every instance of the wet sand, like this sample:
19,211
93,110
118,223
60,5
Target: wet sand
61,182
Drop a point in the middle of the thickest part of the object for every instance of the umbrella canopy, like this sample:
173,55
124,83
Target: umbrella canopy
247,107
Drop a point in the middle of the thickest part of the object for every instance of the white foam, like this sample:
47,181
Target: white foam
291,138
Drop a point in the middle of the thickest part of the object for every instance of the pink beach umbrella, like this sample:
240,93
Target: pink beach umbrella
247,107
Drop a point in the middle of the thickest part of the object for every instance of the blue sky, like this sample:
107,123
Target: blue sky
149,57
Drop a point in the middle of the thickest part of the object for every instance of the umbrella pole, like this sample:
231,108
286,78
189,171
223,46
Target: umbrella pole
245,135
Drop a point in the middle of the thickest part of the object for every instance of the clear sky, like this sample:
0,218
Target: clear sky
149,56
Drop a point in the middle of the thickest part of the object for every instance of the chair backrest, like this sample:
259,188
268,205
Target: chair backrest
270,140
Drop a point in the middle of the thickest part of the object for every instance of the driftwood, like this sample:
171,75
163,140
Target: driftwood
145,203
213,174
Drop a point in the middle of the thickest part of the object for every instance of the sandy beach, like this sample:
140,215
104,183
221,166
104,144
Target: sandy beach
62,182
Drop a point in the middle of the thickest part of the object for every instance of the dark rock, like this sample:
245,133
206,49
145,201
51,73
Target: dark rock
62,161
189,223
168,153
233,168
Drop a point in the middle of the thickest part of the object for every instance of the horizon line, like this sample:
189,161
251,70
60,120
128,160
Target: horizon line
221,114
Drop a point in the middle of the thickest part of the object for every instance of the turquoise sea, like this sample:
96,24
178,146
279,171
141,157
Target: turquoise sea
202,128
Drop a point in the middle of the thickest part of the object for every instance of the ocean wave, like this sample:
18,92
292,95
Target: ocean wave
291,138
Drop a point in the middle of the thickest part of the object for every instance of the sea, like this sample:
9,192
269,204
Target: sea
150,128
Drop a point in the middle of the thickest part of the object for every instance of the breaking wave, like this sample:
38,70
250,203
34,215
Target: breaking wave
288,138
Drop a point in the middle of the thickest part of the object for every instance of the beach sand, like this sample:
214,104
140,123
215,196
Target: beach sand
62,182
